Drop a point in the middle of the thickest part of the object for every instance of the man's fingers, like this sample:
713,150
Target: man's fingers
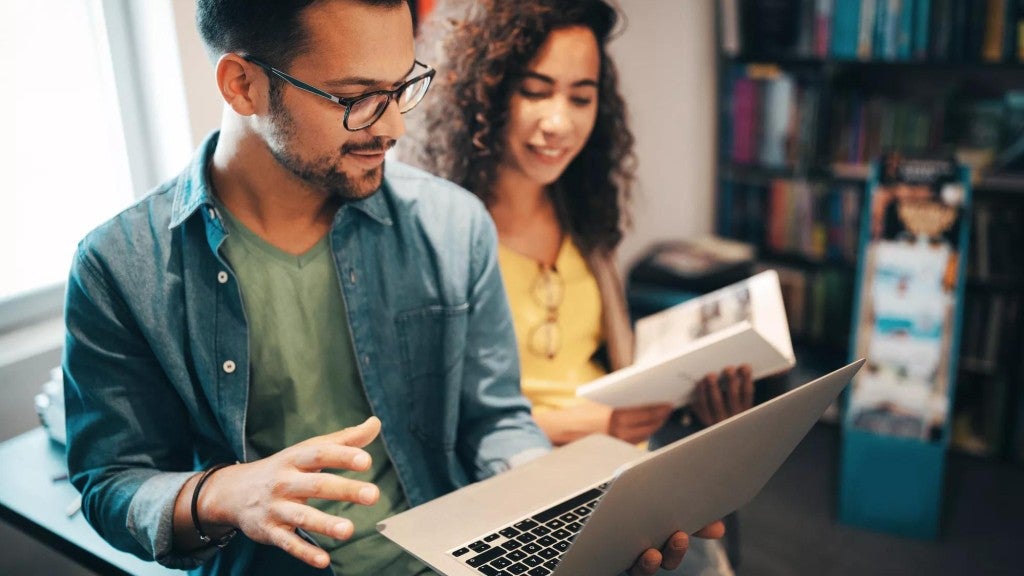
715,530
328,455
674,550
647,564
327,486
313,520
291,543
358,436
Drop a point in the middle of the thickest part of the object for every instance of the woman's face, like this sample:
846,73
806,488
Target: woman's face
553,108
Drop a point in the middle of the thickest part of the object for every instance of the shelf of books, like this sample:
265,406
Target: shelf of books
811,93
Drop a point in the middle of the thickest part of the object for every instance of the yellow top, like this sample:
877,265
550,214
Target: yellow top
554,360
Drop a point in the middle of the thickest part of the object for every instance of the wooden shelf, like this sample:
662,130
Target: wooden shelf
797,260
996,284
752,172
1006,183
859,173
806,61
978,367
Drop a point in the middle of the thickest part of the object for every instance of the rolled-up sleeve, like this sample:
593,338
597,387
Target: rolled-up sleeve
129,446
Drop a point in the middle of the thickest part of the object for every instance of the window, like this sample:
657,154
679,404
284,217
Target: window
72,106
69,164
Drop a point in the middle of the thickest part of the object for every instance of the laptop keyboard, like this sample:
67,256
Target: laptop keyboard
532,546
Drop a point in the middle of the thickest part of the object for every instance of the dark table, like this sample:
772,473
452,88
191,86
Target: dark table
31,500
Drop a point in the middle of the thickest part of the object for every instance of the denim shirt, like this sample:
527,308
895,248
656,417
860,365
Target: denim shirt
156,362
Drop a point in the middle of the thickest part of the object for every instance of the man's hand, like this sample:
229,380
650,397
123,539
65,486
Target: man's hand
630,424
672,553
718,397
266,499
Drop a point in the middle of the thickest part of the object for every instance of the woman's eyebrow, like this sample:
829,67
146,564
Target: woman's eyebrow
550,80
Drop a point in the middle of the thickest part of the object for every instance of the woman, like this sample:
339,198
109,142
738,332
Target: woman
526,114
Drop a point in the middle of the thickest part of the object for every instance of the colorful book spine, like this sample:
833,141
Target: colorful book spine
729,27
744,107
905,30
883,41
1015,32
776,125
941,29
995,25
922,15
822,27
1014,12
866,29
845,29
778,208
726,218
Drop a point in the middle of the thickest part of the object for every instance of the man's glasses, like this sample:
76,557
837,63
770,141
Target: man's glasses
362,111
547,291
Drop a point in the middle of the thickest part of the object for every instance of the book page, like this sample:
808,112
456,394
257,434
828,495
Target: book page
664,334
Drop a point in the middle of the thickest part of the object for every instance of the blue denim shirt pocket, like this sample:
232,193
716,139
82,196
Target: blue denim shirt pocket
432,340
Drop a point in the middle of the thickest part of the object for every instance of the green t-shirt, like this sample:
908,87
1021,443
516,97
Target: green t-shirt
304,383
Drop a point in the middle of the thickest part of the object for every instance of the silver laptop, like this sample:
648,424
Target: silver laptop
593,506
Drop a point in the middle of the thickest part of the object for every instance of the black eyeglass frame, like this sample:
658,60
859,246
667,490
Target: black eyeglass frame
349,103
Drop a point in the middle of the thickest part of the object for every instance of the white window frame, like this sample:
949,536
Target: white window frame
146,61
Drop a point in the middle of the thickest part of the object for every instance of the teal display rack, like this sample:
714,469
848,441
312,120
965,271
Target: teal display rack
896,421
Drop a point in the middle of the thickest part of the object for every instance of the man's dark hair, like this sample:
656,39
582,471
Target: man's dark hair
267,29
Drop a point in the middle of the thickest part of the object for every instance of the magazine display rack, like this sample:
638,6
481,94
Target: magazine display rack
906,321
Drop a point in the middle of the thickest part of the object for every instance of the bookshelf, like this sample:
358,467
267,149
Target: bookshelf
810,92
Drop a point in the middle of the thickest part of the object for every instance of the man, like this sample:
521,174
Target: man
268,305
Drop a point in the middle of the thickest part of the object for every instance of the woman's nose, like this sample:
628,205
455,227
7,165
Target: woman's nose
555,120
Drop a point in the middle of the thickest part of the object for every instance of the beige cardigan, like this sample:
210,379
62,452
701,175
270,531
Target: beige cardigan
619,341
614,317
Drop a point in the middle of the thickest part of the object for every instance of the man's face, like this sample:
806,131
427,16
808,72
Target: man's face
353,49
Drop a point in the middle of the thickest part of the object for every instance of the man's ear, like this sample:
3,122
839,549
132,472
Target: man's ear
239,82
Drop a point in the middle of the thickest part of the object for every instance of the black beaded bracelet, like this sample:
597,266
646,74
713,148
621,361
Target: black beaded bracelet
223,540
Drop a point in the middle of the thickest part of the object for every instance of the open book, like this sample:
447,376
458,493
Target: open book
743,323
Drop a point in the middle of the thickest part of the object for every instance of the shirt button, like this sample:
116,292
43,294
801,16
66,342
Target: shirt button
222,277
352,276
366,360
229,366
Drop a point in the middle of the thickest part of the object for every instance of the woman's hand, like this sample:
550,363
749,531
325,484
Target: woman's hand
633,425
636,424
266,499
672,553
718,397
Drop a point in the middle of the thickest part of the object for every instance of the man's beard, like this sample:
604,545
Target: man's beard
322,173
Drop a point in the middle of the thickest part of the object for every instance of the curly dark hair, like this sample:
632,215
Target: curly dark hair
482,50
